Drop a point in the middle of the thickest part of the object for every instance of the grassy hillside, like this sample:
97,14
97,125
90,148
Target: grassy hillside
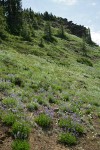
49,95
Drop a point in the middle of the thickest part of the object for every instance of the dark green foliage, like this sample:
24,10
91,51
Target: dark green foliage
88,36
52,100
13,10
88,111
67,138
18,81
48,32
20,130
13,13
2,2
99,115
61,32
83,45
20,145
66,97
2,24
41,101
85,61
48,17
41,43
26,32
16,18
35,24
43,120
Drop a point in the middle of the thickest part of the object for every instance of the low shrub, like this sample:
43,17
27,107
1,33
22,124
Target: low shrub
52,100
41,101
9,119
18,81
20,145
69,125
65,123
79,128
20,130
43,120
88,111
66,98
32,106
67,138
9,102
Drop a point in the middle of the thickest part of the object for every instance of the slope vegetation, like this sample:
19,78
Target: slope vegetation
49,94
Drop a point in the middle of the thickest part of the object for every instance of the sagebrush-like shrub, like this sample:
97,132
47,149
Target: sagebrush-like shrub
32,106
65,123
67,138
9,102
79,129
20,145
43,120
8,119
52,100
21,130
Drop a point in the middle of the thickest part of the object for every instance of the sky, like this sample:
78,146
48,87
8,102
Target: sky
82,12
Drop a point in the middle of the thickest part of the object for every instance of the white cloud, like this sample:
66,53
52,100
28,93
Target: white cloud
67,2
96,37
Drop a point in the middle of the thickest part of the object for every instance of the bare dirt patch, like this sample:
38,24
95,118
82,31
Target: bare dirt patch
40,140
5,138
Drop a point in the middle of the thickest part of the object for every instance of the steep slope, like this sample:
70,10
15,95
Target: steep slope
56,80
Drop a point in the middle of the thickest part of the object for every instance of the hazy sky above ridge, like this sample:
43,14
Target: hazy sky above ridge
84,12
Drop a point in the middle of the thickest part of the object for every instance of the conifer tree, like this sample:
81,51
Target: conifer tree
13,13
2,23
61,32
89,40
14,18
48,32
84,50
2,3
26,32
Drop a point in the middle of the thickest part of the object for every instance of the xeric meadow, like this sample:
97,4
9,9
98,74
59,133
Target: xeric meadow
49,82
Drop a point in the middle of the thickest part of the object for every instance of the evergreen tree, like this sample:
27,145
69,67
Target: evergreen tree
48,32
88,36
84,50
26,32
46,15
13,10
2,23
62,32
35,24
2,3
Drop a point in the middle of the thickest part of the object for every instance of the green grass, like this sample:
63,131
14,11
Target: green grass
35,79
